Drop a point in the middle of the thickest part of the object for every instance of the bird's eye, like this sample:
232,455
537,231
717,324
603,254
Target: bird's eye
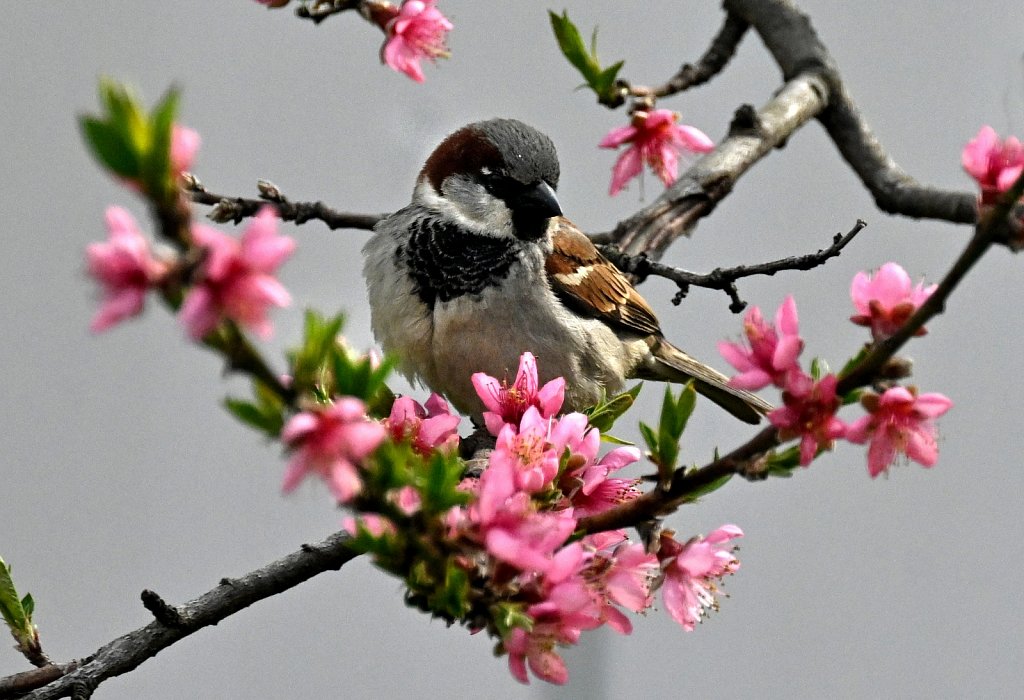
495,183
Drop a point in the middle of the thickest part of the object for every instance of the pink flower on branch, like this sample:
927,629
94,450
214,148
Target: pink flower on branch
809,412
429,428
656,139
995,164
886,300
236,279
692,571
124,268
508,404
331,442
773,351
416,31
899,421
184,146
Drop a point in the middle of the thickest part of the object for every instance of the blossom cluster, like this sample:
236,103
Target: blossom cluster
235,279
513,537
898,422
226,278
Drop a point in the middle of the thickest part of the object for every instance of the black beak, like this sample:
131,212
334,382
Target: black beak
536,202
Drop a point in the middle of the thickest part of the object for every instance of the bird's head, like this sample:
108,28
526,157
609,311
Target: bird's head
495,177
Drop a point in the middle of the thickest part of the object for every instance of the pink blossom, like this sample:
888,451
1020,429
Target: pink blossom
509,524
691,571
331,442
900,421
527,452
184,146
417,32
619,573
427,428
587,482
657,140
995,164
124,268
886,300
773,352
809,412
565,608
507,404
236,279
537,647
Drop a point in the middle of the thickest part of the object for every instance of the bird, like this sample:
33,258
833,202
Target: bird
482,266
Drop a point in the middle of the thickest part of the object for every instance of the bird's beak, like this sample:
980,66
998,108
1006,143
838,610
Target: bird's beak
538,201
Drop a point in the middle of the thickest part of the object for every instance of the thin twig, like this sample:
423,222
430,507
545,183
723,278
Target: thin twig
235,209
725,278
322,9
129,651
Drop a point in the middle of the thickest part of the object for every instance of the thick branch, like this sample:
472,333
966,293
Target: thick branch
232,595
792,41
694,195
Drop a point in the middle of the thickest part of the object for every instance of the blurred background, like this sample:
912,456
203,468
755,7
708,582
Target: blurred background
121,470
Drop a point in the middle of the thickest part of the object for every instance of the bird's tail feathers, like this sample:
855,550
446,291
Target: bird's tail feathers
672,364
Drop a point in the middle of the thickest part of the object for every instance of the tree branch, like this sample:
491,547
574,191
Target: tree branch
718,55
752,135
234,209
641,266
232,595
320,10
813,88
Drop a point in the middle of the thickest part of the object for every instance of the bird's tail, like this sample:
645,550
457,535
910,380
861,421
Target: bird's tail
673,365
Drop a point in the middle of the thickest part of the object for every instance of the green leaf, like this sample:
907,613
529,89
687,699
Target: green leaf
571,44
262,418
708,488
674,416
13,609
110,147
452,599
315,355
125,113
819,368
601,81
853,362
649,436
156,168
606,79
508,616
783,463
440,488
28,604
604,414
612,440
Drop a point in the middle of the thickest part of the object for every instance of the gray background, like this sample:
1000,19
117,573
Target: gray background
120,470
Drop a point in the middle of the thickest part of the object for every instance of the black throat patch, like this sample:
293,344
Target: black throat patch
448,262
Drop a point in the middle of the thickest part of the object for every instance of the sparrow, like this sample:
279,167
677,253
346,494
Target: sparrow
482,266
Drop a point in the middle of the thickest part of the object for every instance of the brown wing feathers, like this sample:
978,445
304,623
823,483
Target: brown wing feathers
588,283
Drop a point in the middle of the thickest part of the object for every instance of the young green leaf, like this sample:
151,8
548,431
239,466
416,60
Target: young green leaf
601,81
110,147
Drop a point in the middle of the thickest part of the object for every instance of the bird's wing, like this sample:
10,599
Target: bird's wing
591,285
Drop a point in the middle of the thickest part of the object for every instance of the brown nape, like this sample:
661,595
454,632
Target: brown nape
465,151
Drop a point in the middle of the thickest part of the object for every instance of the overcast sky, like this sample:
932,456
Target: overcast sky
121,471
